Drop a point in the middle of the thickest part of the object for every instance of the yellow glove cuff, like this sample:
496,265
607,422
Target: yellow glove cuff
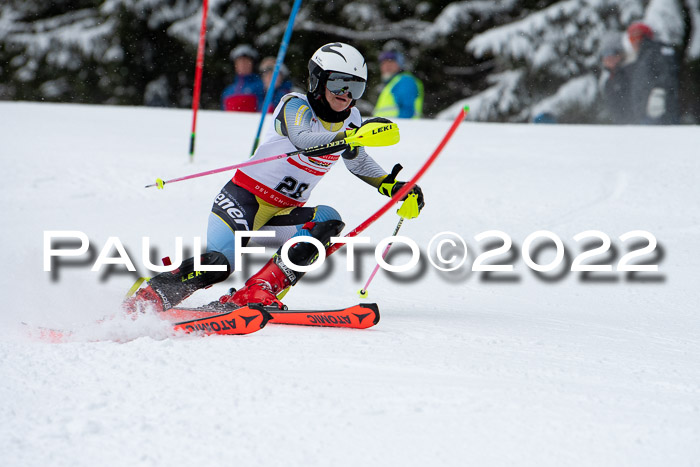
386,188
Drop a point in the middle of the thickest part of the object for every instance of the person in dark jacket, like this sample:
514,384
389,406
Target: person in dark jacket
615,88
645,90
246,93
653,78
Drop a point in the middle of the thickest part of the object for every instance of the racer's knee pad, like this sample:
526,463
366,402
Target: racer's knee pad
325,213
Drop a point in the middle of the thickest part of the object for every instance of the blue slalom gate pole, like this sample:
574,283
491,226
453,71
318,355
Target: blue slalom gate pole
278,63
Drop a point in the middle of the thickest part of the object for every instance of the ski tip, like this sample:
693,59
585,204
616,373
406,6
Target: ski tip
374,307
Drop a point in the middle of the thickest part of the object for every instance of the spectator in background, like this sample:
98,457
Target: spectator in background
614,80
643,90
246,93
402,95
654,78
282,85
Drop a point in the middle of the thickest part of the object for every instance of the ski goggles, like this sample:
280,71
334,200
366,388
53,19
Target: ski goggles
342,83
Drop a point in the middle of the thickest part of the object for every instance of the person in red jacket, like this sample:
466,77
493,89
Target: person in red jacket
246,93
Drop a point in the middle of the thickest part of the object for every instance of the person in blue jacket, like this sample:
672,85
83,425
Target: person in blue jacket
246,93
402,95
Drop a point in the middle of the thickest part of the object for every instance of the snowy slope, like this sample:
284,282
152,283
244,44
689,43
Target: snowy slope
464,368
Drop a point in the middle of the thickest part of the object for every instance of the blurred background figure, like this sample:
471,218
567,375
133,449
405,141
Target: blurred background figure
614,82
402,95
157,93
654,80
282,85
246,93
642,83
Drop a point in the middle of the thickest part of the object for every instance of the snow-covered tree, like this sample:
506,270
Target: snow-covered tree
547,61
508,59
142,51
125,51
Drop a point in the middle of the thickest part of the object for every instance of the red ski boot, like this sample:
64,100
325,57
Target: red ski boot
142,299
262,287
168,289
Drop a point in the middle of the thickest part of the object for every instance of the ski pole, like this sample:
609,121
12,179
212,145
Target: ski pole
311,152
391,178
278,63
198,75
372,134
363,291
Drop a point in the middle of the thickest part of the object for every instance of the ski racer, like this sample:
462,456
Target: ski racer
272,196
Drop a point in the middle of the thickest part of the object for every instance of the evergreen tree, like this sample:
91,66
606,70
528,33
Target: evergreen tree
508,58
549,61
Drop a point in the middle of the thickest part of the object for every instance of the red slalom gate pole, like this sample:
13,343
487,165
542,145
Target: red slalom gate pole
406,188
198,75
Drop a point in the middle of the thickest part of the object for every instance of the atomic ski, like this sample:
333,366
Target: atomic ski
360,316
243,320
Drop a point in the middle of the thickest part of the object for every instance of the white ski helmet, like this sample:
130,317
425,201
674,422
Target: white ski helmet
343,64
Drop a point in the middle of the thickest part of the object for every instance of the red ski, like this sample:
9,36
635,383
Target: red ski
225,319
361,316
244,320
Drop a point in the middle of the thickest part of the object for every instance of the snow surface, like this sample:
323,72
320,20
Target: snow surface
462,369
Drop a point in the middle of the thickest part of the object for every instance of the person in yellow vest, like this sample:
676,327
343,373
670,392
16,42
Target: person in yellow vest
402,95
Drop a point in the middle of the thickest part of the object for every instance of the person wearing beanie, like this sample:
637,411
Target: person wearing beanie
246,93
644,89
614,81
402,95
653,78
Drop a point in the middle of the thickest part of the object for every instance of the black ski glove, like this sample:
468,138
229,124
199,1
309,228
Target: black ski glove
396,186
